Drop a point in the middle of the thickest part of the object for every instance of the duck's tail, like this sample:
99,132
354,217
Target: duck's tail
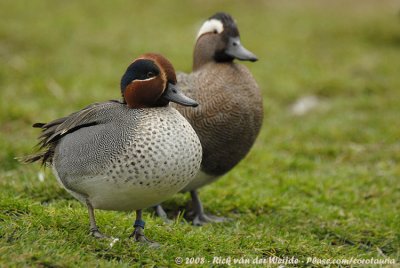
30,158
41,156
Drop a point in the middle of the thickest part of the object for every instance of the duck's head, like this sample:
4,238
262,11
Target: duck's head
150,81
218,40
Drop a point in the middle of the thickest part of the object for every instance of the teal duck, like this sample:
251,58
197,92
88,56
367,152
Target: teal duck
125,155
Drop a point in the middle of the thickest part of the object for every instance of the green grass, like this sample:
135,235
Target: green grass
322,185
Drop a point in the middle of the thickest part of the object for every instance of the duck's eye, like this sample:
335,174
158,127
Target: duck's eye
215,31
150,74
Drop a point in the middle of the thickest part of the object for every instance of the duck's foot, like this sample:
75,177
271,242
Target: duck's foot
200,217
97,234
203,218
94,231
160,212
138,236
138,232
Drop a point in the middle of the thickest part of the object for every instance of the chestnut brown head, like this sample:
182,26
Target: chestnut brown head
150,81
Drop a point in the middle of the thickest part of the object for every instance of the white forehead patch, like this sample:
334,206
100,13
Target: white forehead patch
211,26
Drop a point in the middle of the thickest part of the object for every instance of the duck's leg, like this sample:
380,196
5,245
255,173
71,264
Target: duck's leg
160,212
138,232
201,218
94,230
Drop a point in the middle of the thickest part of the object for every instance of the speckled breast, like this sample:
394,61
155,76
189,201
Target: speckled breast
139,163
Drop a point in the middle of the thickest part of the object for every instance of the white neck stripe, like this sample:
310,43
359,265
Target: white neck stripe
147,79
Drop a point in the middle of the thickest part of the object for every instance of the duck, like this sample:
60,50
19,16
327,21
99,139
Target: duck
129,154
230,116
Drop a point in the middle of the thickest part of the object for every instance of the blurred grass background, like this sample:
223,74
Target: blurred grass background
323,184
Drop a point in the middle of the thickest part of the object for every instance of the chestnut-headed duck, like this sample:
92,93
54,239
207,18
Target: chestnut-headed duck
125,155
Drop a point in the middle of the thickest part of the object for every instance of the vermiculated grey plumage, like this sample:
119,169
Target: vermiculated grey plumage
121,158
53,131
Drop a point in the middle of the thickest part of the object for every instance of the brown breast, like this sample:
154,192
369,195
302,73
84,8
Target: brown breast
229,116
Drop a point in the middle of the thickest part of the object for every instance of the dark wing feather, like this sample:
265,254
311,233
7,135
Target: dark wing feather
53,131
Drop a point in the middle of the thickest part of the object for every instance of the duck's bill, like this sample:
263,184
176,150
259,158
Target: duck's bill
237,51
174,94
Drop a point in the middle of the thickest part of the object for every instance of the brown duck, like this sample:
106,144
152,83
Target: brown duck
230,113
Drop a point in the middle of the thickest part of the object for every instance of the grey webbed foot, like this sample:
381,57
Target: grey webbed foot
201,218
97,234
94,230
138,232
138,236
160,212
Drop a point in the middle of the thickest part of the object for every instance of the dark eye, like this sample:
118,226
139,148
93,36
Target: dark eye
215,31
150,74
